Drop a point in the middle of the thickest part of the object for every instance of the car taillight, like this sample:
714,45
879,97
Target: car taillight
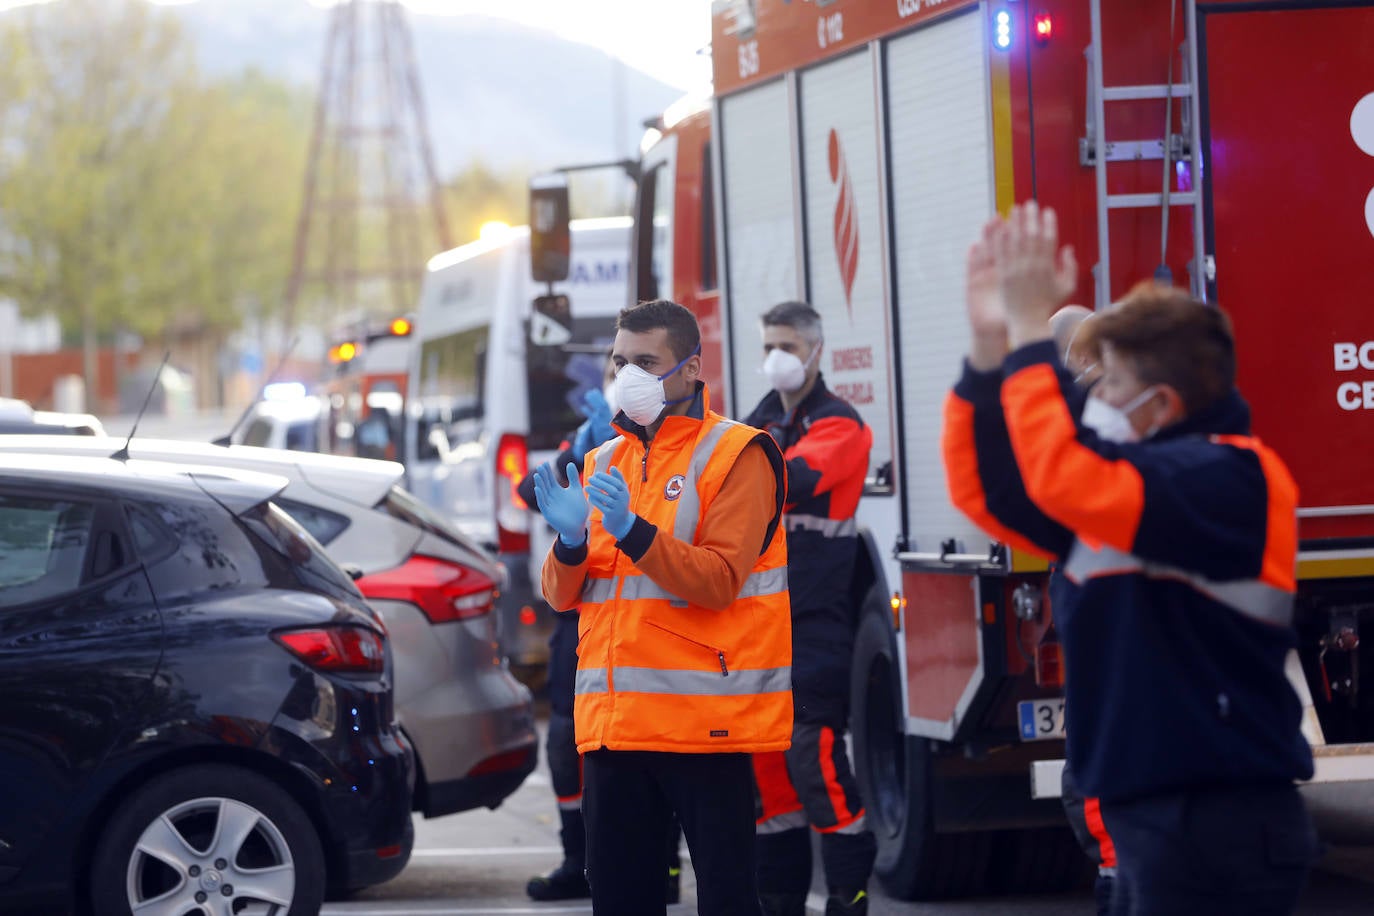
444,591
512,512
1049,661
341,649
510,760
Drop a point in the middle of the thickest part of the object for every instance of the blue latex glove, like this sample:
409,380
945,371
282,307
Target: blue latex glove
582,440
598,413
564,508
610,494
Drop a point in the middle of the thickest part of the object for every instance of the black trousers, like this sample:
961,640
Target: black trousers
628,799
1239,850
565,769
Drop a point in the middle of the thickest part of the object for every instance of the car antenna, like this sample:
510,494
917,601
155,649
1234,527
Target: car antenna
123,453
228,438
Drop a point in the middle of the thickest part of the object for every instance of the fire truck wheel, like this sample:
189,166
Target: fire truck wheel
895,779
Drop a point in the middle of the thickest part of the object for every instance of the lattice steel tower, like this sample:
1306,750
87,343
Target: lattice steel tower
372,211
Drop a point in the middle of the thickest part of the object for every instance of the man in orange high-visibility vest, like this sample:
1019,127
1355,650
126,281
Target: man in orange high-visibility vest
674,557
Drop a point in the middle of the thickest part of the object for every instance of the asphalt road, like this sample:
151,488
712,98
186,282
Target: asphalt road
477,863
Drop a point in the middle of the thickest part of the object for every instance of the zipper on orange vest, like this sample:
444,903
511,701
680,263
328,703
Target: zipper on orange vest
720,654
644,464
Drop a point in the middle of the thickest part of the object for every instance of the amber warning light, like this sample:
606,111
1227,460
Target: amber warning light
400,327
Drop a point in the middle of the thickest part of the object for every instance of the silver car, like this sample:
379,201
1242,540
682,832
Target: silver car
470,721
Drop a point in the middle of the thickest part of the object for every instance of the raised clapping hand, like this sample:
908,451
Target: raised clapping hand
564,508
1037,276
610,494
987,313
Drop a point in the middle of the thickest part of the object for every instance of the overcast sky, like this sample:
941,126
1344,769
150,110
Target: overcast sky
660,37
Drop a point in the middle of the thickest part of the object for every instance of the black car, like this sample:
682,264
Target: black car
195,703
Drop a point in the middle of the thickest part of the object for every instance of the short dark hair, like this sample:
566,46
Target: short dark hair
796,315
1171,339
684,335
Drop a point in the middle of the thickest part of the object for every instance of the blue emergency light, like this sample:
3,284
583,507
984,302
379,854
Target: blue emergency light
1001,38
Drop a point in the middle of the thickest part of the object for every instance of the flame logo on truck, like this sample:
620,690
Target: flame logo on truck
846,221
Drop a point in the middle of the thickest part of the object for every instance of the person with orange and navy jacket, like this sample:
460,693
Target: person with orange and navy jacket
1084,813
568,881
1178,536
675,559
826,445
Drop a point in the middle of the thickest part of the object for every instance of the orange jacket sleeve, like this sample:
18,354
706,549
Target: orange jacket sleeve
1222,506
981,472
833,451
565,570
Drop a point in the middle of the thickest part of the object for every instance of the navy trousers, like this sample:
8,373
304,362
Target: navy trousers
1211,852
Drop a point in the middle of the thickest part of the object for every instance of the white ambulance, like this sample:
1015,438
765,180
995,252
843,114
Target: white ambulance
493,392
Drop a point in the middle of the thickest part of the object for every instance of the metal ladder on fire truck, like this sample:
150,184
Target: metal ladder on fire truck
1098,151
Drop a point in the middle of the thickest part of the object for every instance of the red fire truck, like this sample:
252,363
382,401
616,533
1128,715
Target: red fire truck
848,156
363,394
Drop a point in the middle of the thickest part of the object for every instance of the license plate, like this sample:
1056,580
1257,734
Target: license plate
1041,720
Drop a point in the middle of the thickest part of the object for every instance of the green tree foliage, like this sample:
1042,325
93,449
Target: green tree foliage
478,195
135,194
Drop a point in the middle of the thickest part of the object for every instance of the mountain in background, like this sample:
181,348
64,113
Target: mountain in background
494,91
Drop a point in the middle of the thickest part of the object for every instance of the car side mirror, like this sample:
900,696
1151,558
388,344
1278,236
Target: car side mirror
551,321
550,232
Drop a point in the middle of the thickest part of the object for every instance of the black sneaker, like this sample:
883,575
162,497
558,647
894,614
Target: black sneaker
847,905
563,883
674,885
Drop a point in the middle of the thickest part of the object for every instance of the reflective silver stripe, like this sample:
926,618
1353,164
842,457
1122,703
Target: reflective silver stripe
1085,563
604,452
595,591
642,587
570,804
829,527
1248,597
765,582
591,680
689,504
855,826
702,683
783,822
1253,599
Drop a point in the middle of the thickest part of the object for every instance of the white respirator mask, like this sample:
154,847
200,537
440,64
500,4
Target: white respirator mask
785,371
610,393
639,393
1113,424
